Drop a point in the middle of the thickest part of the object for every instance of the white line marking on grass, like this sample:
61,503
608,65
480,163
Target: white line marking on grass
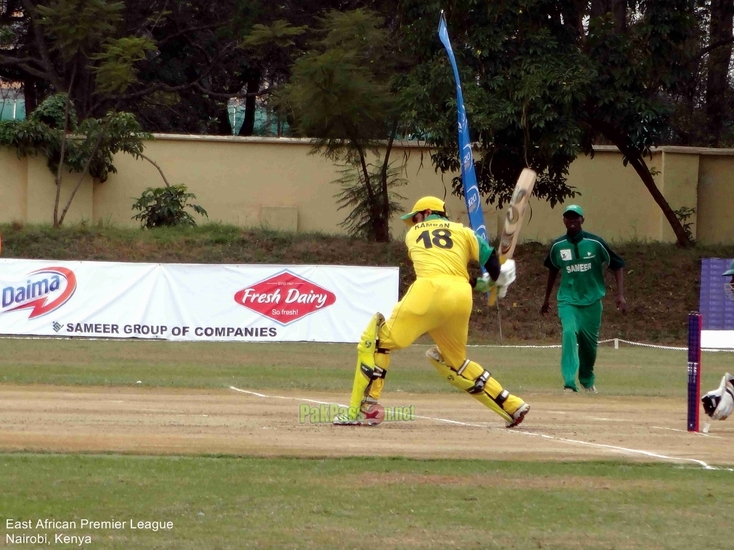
516,431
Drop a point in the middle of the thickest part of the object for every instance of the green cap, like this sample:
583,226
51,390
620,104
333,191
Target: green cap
729,271
574,208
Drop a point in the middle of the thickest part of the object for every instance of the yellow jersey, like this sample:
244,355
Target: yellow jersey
438,247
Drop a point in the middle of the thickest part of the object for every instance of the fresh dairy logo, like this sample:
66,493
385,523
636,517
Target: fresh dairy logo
285,298
45,290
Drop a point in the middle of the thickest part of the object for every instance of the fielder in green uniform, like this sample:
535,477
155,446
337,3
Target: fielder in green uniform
580,257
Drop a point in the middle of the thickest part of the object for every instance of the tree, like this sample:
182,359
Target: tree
205,53
703,103
341,94
190,48
77,35
545,86
87,147
274,49
197,64
719,59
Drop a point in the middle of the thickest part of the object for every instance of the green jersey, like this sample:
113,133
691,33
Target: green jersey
581,259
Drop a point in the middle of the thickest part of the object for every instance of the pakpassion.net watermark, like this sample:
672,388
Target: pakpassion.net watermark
325,413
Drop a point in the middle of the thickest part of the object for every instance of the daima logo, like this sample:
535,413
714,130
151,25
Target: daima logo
45,290
285,297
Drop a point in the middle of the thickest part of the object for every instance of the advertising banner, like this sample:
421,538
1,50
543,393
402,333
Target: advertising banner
716,304
192,301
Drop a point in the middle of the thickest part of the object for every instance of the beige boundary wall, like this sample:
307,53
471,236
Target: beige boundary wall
276,183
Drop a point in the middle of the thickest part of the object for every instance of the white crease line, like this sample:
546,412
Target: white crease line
702,434
627,450
446,420
281,397
516,431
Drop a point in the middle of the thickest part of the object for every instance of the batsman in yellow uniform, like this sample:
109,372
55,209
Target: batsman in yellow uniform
439,303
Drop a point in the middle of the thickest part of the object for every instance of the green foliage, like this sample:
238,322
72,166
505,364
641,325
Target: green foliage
51,112
115,69
79,26
76,41
86,29
541,89
7,36
41,133
29,138
94,142
522,87
166,206
117,132
684,213
280,34
356,197
342,94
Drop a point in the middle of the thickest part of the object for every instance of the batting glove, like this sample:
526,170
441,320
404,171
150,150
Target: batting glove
484,283
508,274
719,403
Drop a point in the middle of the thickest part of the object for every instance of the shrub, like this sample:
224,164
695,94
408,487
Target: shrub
166,206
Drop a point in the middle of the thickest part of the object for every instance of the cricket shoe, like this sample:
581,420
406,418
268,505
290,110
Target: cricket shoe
373,415
518,416
590,389
344,420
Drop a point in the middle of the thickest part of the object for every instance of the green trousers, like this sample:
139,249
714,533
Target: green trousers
580,339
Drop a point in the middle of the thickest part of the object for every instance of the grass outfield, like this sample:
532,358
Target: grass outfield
369,503
628,371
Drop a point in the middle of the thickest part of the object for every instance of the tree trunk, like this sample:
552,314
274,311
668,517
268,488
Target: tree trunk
573,17
85,171
30,95
382,231
634,157
718,67
384,183
64,136
380,227
640,166
618,9
248,126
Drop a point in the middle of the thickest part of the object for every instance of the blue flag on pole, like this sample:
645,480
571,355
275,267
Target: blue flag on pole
468,175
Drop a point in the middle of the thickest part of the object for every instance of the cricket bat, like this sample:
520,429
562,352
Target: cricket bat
513,220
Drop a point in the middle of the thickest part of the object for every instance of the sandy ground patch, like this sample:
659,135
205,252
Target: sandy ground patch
187,421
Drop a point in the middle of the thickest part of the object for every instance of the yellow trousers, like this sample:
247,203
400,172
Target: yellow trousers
440,307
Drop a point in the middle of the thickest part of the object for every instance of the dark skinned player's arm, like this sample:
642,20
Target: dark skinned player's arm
552,274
